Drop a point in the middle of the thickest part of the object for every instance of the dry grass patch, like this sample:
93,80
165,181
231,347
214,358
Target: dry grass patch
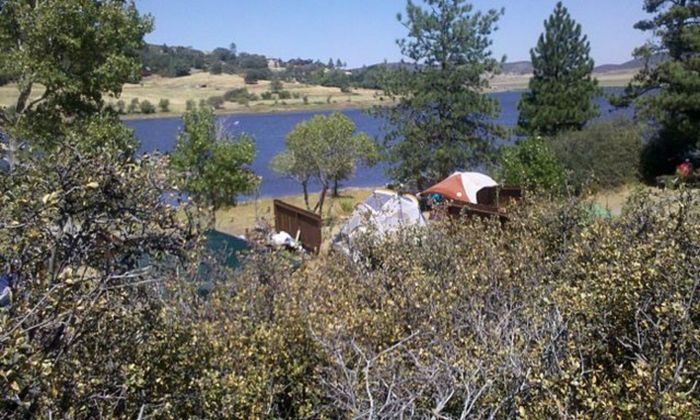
245,216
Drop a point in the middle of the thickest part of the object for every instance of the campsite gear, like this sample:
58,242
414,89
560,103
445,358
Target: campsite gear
462,186
282,239
305,225
227,246
684,170
596,211
381,213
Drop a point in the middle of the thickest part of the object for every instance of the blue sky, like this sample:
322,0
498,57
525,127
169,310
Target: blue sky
364,31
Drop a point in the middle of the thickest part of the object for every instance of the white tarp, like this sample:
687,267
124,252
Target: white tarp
382,212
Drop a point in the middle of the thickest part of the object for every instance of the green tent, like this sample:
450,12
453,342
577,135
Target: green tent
227,246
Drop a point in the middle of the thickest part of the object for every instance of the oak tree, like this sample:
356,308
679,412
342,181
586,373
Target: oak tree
63,56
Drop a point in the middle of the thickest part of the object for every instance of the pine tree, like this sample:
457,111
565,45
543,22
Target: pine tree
562,91
672,71
443,120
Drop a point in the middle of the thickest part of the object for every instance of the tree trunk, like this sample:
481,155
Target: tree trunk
321,199
305,186
335,188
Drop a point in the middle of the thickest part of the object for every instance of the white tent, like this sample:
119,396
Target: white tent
382,212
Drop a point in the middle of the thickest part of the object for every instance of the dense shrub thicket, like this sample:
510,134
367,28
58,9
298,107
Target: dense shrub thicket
602,155
552,315
531,163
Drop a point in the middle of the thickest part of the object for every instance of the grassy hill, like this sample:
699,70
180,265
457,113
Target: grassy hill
203,85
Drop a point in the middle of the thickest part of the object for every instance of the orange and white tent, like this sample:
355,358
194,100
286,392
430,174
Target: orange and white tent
462,186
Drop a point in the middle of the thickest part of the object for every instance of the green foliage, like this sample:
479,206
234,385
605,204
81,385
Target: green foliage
603,155
284,94
235,95
190,105
133,106
79,221
210,166
215,68
442,119
347,206
121,107
38,39
325,149
562,91
674,104
276,85
531,164
164,105
253,62
171,61
253,75
147,107
216,102
556,314
266,96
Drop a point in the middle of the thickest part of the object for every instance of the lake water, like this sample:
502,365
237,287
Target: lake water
269,131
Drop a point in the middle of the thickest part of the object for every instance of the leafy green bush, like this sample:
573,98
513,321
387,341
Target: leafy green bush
190,105
532,164
133,106
276,86
602,155
266,96
121,107
347,206
164,105
234,95
216,102
284,94
147,107
216,68
253,75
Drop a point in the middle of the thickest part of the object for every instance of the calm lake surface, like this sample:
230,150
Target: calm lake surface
269,131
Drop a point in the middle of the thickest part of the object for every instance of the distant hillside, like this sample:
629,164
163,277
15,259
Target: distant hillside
517,67
635,64
525,67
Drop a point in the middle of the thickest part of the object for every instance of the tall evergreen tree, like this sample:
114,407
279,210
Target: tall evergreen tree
443,120
673,72
562,91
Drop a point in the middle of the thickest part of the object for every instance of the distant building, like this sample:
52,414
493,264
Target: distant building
275,64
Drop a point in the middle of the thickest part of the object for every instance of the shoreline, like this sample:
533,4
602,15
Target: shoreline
250,112
292,109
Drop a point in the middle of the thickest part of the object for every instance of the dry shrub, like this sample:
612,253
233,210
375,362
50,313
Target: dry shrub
553,314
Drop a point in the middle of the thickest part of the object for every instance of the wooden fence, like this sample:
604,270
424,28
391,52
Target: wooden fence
499,196
493,202
297,221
